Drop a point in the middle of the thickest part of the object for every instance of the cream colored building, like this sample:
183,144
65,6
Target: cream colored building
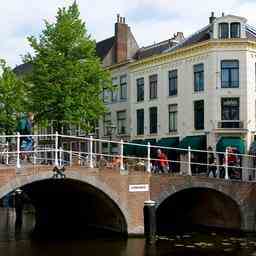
214,72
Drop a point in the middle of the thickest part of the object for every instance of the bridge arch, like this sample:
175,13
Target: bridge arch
198,205
93,183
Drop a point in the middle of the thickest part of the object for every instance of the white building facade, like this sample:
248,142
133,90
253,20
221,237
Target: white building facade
202,86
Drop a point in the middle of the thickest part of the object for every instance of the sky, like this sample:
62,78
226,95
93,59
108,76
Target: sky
150,20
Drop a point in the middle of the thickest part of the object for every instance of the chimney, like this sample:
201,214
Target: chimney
179,37
121,37
223,14
212,18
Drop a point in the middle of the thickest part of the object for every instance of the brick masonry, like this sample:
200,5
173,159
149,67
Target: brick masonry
116,187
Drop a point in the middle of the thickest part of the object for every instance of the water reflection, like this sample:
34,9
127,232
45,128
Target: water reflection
211,243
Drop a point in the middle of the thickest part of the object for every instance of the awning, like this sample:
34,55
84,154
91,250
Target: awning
168,142
235,142
134,150
195,142
130,150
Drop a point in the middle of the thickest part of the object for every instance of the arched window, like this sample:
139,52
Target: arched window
235,30
223,30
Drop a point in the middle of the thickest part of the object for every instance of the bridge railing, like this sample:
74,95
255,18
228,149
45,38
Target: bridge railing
57,150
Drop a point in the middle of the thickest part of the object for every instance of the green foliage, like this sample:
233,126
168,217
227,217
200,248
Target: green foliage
12,99
67,75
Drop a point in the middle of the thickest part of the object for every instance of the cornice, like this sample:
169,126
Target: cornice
192,50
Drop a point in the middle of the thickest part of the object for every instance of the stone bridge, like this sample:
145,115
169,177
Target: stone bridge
107,198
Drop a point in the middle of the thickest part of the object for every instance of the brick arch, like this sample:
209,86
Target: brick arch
175,189
219,188
20,181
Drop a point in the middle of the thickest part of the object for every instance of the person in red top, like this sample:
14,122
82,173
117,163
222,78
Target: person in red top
162,162
232,158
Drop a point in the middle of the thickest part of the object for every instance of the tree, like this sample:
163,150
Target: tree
67,77
12,99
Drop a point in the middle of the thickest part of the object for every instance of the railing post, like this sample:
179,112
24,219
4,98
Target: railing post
60,158
226,164
79,159
56,149
148,160
121,155
70,158
7,153
91,146
34,160
18,150
189,161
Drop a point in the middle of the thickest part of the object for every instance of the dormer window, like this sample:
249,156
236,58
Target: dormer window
223,30
235,30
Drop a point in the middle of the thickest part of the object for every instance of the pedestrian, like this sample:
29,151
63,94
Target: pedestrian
233,164
25,128
163,165
211,160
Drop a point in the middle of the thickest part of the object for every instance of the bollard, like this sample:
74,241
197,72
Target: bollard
150,221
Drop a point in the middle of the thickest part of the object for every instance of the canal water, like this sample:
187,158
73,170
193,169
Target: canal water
211,243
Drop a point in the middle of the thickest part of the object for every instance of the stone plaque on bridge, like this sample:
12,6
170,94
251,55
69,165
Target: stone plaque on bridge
139,188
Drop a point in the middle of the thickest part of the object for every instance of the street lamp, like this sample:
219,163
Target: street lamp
110,131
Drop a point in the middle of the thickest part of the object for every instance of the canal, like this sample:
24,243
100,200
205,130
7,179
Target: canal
18,242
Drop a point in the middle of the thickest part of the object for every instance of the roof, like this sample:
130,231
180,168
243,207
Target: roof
155,49
205,34
103,47
250,32
23,69
199,36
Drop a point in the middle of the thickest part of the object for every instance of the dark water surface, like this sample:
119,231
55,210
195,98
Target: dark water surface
212,243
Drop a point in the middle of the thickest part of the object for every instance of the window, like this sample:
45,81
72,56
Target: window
121,122
230,111
199,114
114,93
140,121
140,89
153,120
123,87
235,30
223,30
106,123
199,77
173,111
106,96
229,73
173,82
153,87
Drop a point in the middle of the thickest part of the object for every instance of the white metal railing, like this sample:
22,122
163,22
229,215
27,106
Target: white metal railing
186,161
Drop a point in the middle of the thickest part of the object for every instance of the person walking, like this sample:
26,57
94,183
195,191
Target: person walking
211,160
25,128
163,165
